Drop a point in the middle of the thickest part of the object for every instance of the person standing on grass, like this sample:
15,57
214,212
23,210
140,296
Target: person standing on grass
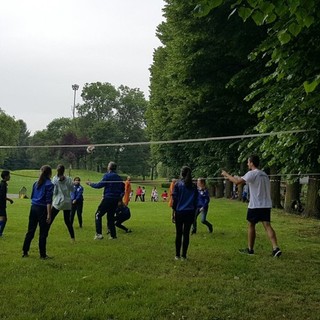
77,201
143,194
63,186
202,206
127,191
259,208
5,176
170,202
185,197
113,192
138,194
40,212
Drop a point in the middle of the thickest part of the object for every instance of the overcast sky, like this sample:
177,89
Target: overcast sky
47,46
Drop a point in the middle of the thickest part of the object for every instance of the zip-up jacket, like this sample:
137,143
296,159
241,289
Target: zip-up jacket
42,196
112,184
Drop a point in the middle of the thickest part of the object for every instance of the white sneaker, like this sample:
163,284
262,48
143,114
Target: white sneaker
98,236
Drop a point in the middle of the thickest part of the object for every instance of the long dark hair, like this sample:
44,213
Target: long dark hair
186,176
46,173
60,170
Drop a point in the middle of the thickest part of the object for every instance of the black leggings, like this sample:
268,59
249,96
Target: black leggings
183,221
67,221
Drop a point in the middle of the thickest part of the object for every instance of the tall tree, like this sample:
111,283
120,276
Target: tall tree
190,97
9,135
288,95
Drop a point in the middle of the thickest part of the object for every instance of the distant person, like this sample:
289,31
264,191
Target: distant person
164,195
154,195
40,212
122,214
170,203
5,176
202,206
138,194
259,208
63,186
143,194
113,193
77,201
127,191
185,196
245,193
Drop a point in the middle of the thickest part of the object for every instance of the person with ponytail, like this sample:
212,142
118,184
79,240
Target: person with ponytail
184,206
63,186
40,212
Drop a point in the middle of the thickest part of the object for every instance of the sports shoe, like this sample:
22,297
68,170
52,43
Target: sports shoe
246,251
112,238
183,258
210,229
98,236
276,252
45,257
129,231
193,231
176,258
25,255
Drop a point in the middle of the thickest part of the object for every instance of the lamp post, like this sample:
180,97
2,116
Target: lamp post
75,87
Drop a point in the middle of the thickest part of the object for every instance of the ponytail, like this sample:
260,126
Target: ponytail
46,173
186,176
60,170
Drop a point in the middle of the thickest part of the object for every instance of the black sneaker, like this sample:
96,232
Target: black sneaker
276,252
45,257
210,229
193,231
25,255
246,251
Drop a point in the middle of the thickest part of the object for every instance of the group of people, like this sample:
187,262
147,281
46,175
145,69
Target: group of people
48,197
188,203
61,193
187,199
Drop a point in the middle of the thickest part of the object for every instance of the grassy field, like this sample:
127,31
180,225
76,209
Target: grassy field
136,277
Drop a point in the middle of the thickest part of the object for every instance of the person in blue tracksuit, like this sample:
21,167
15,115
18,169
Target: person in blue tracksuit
202,206
77,201
113,192
185,197
40,212
5,175
122,214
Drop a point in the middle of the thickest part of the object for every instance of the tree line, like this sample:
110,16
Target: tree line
223,68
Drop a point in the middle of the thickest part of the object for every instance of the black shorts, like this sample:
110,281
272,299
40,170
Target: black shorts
259,214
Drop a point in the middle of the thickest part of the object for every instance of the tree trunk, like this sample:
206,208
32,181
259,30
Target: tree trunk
275,189
220,189
292,195
228,193
312,208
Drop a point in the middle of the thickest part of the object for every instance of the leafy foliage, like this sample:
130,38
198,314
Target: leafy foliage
190,97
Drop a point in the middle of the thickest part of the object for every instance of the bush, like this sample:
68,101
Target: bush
165,185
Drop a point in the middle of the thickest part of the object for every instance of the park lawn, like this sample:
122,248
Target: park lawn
136,276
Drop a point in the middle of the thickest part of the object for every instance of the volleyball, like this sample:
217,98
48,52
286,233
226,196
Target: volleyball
90,149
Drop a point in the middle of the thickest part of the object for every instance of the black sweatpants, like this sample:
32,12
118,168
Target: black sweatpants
183,221
38,215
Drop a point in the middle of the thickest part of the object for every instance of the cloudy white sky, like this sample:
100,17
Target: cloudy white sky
46,46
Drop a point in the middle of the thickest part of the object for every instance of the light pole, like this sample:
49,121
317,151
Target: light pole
75,87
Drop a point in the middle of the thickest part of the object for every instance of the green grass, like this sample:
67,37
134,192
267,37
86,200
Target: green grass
136,277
